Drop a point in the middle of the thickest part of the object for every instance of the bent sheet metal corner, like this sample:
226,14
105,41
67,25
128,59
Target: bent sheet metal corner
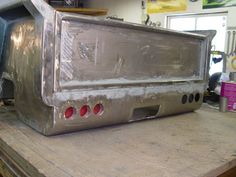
72,72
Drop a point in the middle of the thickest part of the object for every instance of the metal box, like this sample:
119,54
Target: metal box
73,72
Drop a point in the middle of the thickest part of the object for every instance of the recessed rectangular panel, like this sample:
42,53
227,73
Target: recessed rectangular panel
99,54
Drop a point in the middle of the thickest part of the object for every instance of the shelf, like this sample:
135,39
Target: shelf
84,11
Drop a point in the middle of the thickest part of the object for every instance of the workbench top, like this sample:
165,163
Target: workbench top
202,143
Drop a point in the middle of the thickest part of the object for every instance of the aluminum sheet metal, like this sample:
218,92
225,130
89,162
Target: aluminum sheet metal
74,72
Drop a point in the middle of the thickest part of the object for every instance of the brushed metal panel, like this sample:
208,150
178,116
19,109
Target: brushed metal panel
57,60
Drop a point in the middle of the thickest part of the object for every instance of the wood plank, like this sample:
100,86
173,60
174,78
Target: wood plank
84,11
230,173
5,170
9,168
199,144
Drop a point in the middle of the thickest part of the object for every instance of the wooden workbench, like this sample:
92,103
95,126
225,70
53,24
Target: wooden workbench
189,145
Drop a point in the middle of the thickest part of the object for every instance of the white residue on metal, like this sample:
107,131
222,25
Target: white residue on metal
119,93
66,52
121,81
119,64
145,49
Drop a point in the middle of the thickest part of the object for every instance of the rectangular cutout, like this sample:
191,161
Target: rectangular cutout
145,112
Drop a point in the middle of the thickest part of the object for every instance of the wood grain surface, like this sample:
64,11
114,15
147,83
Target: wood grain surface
198,144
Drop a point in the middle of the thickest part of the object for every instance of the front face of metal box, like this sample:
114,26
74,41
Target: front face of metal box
134,72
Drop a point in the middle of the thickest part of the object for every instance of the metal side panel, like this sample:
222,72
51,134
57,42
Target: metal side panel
22,62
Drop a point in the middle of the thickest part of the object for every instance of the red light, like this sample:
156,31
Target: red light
69,112
84,111
98,109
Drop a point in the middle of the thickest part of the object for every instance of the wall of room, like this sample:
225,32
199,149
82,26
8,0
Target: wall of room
131,10
196,7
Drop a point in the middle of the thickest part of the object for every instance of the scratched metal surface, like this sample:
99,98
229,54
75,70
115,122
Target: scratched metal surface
97,54
57,60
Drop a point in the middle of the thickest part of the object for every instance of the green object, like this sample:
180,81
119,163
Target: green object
218,3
